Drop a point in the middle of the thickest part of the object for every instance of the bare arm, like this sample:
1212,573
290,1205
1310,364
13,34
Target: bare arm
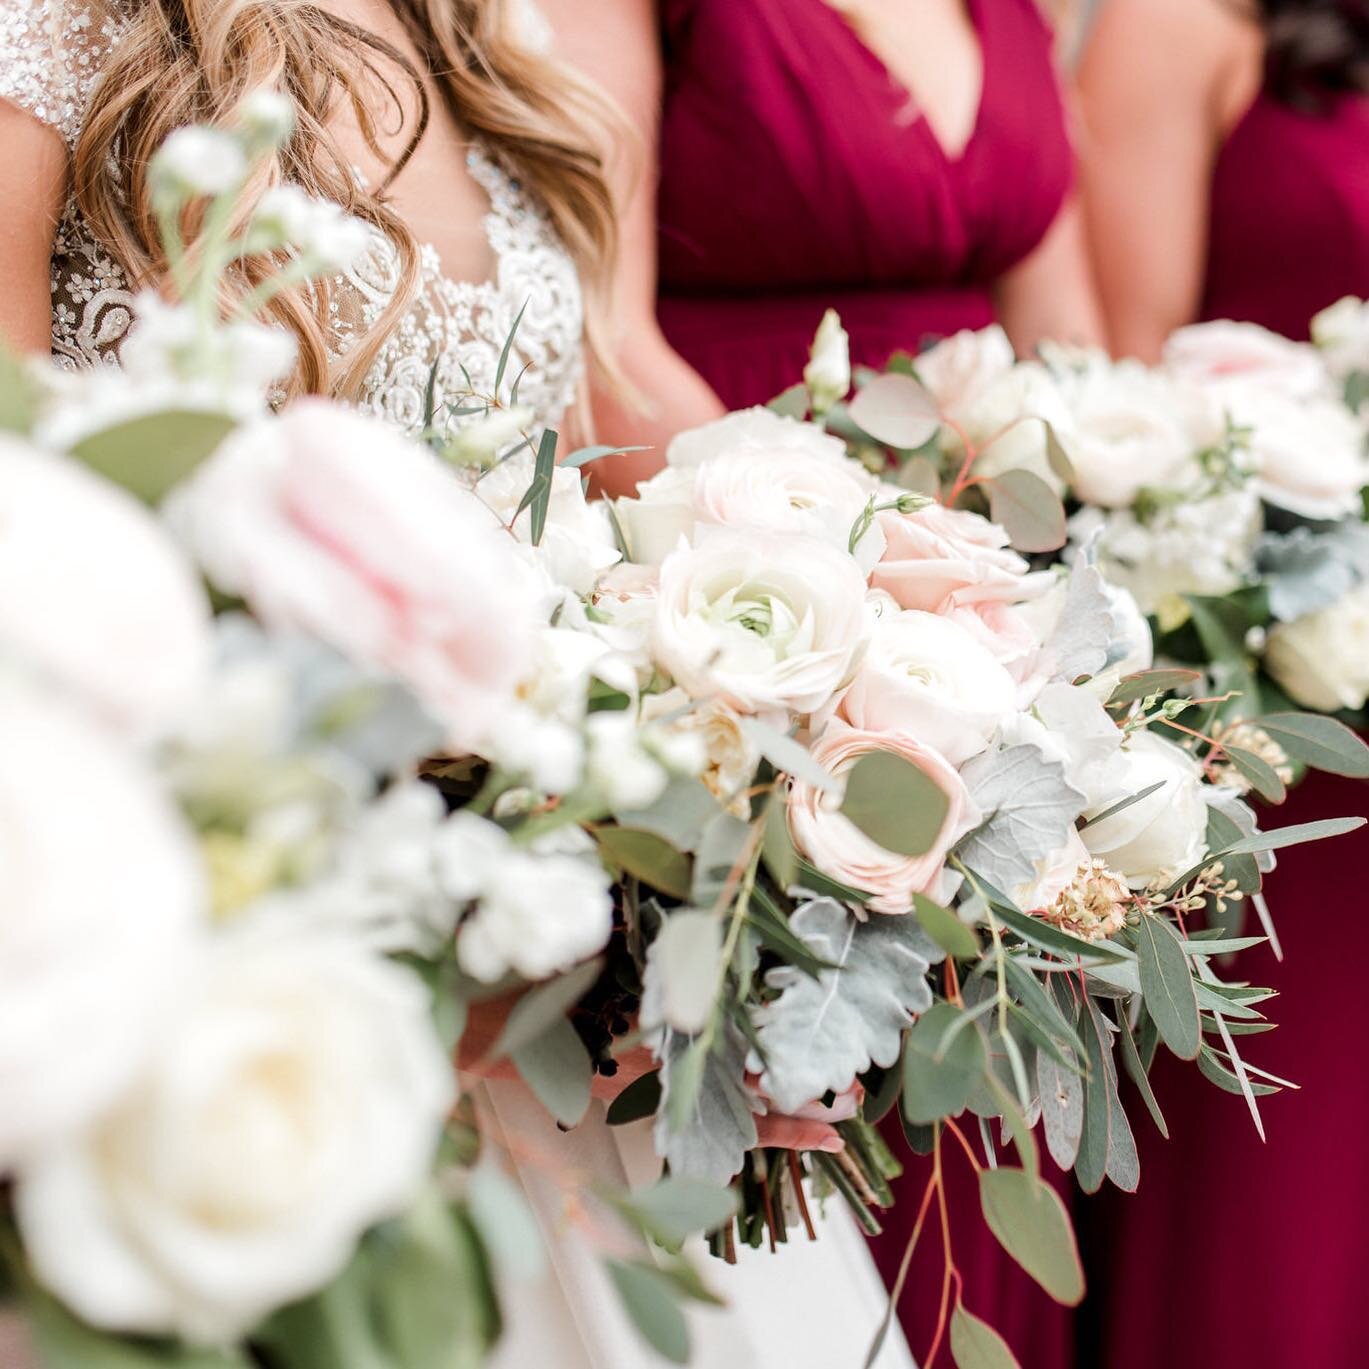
33,181
1050,294
617,45
1162,81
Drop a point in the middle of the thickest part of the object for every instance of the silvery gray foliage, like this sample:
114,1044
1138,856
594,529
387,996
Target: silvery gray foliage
719,1128
819,1034
1029,810
1305,569
1060,1096
1087,626
1243,815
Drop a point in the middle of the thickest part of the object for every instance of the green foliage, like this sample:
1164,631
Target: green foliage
541,1008
151,454
1031,1224
19,396
1323,743
639,1100
1167,985
648,857
1028,509
896,410
557,1068
943,1060
538,495
976,1345
675,1208
946,929
651,1302
895,803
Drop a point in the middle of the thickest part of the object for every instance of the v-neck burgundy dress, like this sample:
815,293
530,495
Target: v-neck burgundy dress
1237,1254
796,175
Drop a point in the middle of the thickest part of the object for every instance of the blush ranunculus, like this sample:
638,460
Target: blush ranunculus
331,523
1208,353
938,559
841,850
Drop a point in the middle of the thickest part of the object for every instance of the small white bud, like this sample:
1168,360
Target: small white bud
196,161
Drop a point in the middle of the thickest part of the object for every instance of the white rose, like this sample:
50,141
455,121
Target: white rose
295,1100
1156,840
94,594
577,543
1308,453
661,513
536,912
1202,546
760,621
331,523
959,369
1322,659
101,897
1132,428
751,430
841,850
1206,353
928,677
1341,332
828,373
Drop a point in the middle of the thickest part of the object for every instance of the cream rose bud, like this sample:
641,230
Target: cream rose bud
331,523
1341,333
577,544
755,429
1220,351
1157,839
101,896
842,851
1308,454
1322,659
295,1099
938,559
94,596
1133,428
928,677
828,373
760,621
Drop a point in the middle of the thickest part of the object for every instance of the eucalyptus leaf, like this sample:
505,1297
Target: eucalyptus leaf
1295,835
151,454
938,1078
946,929
1029,809
19,392
679,816
719,859
653,1306
1323,743
1060,1092
505,1222
1028,510
582,456
818,1034
1031,1224
1107,1148
1148,682
897,410
639,1100
557,1068
1136,1072
976,1345
895,803
1167,986
1261,776
683,972
791,403
542,1007
647,857
787,755
675,1208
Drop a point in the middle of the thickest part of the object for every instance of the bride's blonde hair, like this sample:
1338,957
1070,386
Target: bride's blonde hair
195,61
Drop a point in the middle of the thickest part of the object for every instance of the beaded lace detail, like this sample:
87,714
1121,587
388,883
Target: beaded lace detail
51,56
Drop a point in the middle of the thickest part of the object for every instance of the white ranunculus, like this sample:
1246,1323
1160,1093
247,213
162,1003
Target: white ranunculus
1322,659
1132,428
577,543
751,430
1154,841
331,523
536,911
1221,351
828,373
101,895
295,1099
959,369
1308,453
94,595
928,677
1202,547
833,843
1341,332
762,622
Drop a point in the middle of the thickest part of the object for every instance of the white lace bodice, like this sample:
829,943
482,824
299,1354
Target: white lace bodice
52,55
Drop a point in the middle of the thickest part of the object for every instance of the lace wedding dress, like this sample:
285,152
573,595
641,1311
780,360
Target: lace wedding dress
809,1305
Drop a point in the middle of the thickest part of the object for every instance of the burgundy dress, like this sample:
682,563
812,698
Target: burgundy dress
1234,1254
796,176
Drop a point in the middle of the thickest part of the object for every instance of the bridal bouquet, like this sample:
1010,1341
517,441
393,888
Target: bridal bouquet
348,772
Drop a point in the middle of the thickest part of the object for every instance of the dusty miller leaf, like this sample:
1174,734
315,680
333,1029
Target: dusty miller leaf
1079,645
820,1033
1029,810
717,1128
1304,570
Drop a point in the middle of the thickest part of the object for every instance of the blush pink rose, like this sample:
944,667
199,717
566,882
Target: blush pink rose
938,558
842,851
332,524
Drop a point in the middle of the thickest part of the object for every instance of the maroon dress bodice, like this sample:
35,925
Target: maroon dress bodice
796,175
1256,1250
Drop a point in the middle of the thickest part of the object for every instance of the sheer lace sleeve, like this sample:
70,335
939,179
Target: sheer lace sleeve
51,56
